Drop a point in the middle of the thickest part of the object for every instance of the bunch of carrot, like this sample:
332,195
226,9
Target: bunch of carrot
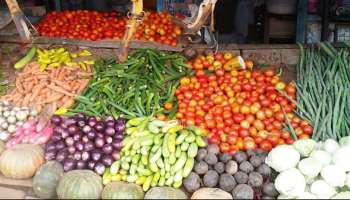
51,89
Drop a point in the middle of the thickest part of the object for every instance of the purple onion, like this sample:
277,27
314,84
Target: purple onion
99,168
69,141
86,129
100,135
110,123
108,119
120,128
96,155
50,155
69,164
81,164
99,127
81,123
115,155
60,145
79,146
64,134
80,116
99,142
62,155
71,150
107,149
58,130
56,120
89,146
85,156
91,165
73,129
85,139
91,135
109,139
92,121
50,146
118,137
117,144
56,137
109,131
77,136
77,155
107,160
70,121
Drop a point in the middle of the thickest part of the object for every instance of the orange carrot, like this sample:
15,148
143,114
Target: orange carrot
68,103
61,90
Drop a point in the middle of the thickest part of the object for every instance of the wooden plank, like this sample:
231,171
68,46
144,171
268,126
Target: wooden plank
301,18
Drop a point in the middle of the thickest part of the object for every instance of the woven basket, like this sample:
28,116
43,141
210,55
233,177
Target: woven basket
282,7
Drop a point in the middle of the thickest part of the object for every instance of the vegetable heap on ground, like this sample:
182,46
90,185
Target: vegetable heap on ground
310,170
12,118
81,142
138,87
48,90
156,153
323,82
241,109
93,25
244,175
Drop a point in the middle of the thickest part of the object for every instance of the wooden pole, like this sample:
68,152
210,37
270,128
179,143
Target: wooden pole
18,17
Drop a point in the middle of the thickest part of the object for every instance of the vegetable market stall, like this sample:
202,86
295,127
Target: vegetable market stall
209,124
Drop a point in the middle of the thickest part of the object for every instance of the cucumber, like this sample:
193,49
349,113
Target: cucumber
26,59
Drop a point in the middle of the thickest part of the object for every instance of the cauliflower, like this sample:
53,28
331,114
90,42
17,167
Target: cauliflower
283,157
334,175
322,190
322,156
340,158
345,141
330,146
342,195
310,167
307,195
304,146
290,183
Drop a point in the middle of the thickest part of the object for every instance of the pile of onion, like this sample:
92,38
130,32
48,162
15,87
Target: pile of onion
82,142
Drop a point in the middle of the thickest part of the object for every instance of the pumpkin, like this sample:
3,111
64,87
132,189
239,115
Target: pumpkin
120,190
2,146
46,179
165,193
211,193
80,184
21,161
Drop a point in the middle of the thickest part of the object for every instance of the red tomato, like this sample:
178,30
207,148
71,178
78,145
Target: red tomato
265,145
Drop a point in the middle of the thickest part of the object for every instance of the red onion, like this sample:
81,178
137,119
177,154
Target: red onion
79,146
91,165
72,129
69,121
81,164
81,123
99,168
96,155
77,155
110,131
89,146
91,135
77,137
69,141
99,142
50,146
60,145
92,121
115,155
109,139
99,127
117,145
110,123
85,156
56,120
85,139
107,160
107,149
71,150
62,155
86,129
50,154
118,137
69,164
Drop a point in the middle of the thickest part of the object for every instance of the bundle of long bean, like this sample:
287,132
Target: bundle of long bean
323,90
137,87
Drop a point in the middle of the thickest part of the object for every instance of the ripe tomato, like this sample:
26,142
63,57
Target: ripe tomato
308,130
168,106
214,139
224,147
243,132
265,145
249,145
232,139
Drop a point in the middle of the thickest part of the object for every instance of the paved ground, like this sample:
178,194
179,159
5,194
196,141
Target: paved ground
16,189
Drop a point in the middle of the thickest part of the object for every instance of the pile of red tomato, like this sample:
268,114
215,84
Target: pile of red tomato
241,109
93,25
